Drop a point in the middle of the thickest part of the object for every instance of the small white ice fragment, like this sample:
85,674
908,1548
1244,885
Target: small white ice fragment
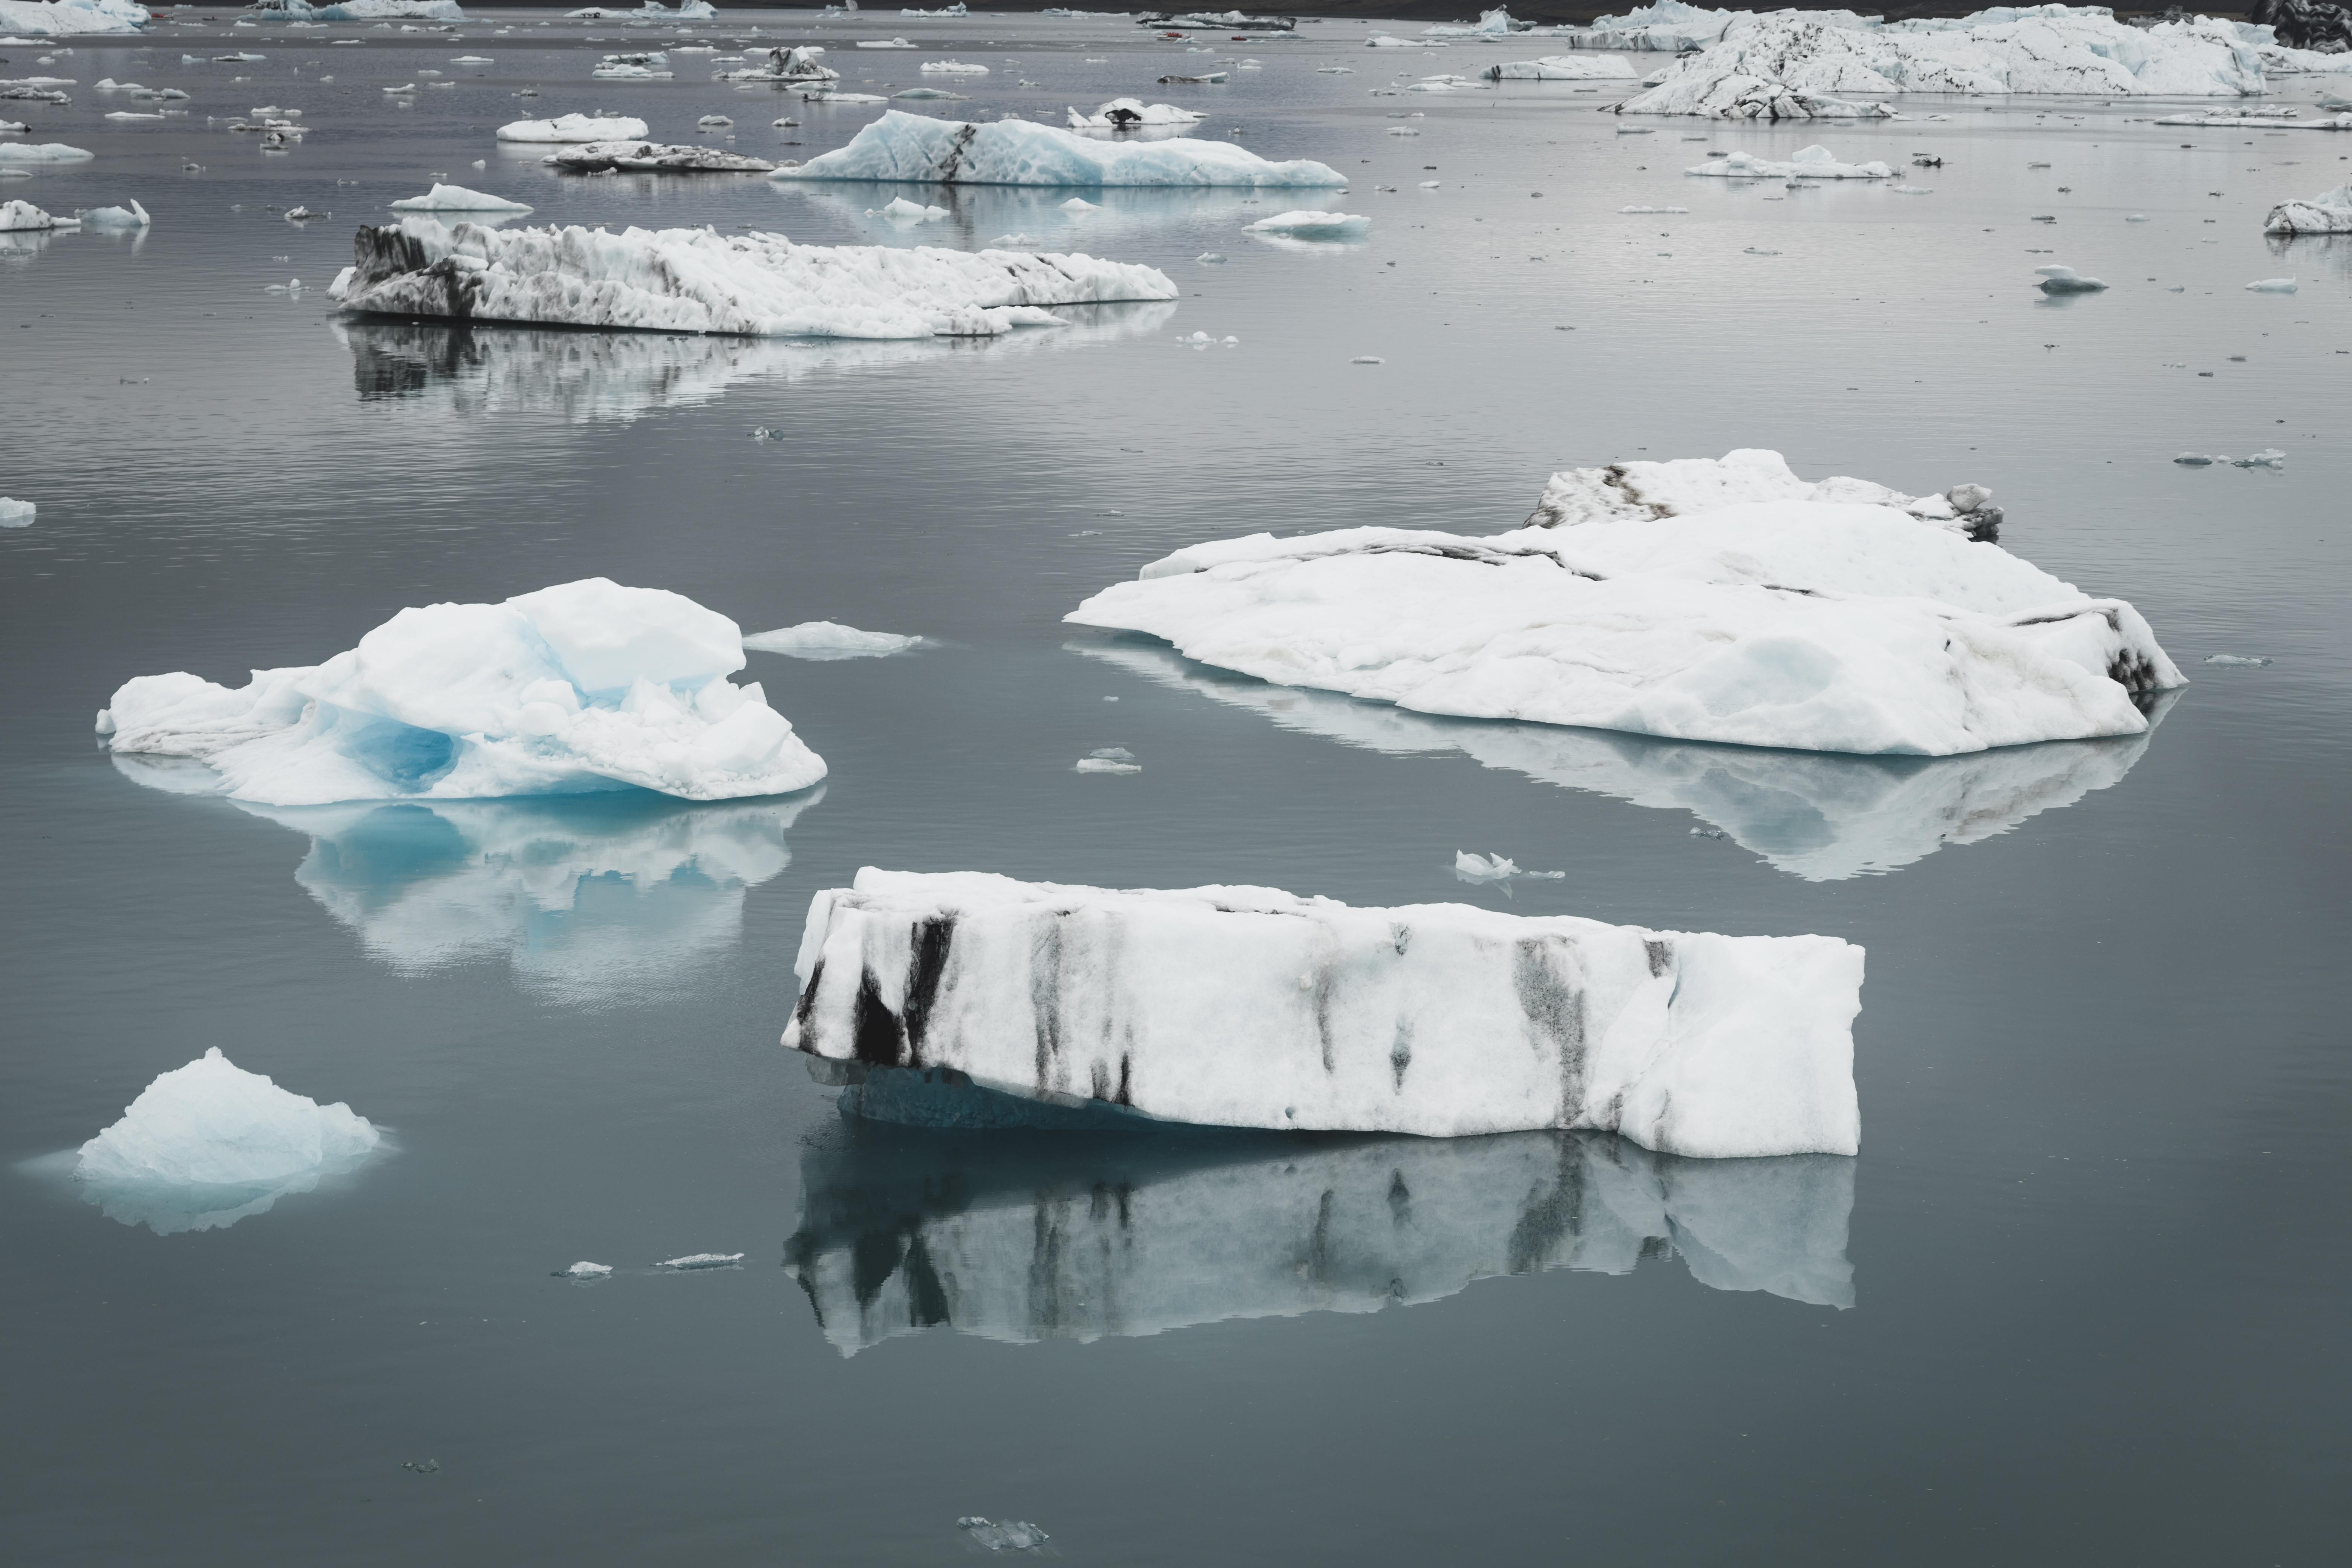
828,639
1307,224
1109,760
1012,1535
2232,661
2066,280
1080,205
702,1260
2271,285
584,1271
1209,258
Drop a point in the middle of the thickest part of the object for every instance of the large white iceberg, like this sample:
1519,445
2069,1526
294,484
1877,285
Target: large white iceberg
1237,1006
574,128
57,19
1814,815
2330,212
208,1143
699,280
1010,1238
1785,65
582,687
903,147
1704,600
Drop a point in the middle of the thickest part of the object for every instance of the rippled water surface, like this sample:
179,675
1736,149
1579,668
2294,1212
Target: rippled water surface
2077,1300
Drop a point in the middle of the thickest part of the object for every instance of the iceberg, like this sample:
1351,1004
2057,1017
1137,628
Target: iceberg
41,152
911,147
1811,814
574,128
133,217
2330,212
787,64
1497,23
2271,285
1313,225
1006,1235
829,640
20,217
2056,279
15,513
698,280
582,687
1132,114
951,68
1668,26
1814,163
208,1144
2270,119
1563,67
444,198
60,18
359,11
1249,1007
654,157
1703,600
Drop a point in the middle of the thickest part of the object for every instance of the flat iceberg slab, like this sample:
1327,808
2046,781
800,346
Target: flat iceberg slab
42,153
444,198
1702,600
205,1144
901,147
1252,1007
655,157
2330,212
828,640
575,128
582,687
698,280
1314,225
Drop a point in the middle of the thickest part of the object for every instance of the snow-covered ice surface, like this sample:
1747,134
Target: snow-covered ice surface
1018,1248
1249,1007
456,199
1706,600
901,147
582,687
829,640
574,128
698,280
208,1144
21,217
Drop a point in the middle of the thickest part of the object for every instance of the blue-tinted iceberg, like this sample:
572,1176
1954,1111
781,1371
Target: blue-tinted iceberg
913,147
1238,1006
206,1145
583,687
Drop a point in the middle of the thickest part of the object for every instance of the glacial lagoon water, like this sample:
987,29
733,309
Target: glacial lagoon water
2075,1300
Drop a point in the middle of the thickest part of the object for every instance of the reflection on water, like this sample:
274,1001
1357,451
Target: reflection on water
1814,815
980,214
2313,255
586,376
1032,1235
169,1208
592,899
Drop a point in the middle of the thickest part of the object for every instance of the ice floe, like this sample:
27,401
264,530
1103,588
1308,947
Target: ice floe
697,1260
15,513
1004,1236
1815,163
574,128
582,687
829,640
655,157
1811,815
950,68
585,1270
2271,285
903,147
42,153
19,218
133,217
58,18
208,1144
698,280
444,198
1704,600
1563,67
1314,225
362,11
1240,1006
2284,120
2330,212
792,64
1132,114
2057,280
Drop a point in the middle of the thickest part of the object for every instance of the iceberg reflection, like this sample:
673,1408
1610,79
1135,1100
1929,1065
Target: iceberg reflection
1819,815
586,375
590,899
979,214
1023,1236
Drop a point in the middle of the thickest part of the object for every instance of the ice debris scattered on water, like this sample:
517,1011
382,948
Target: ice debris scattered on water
655,158
582,687
1563,67
829,640
699,280
2269,457
1707,600
913,147
1240,1006
1661,212
456,199
1012,1535
206,1145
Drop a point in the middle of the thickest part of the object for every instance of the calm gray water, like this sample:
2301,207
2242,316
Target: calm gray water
2075,1302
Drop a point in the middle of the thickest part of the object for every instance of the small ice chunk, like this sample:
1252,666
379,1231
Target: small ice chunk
133,217
584,1271
15,513
901,210
1637,210
1314,225
2193,461
2232,661
1368,359
1012,1535
2066,280
1207,258
1482,867
714,121
1104,763
693,1261
456,198
2269,457
573,127
829,640
2271,285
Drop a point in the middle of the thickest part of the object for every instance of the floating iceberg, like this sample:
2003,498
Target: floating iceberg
2330,212
1811,815
901,210
1005,1236
901,147
829,640
18,217
1132,114
2271,285
1238,1006
695,1260
1704,600
2058,279
15,513
58,18
1314,225
208,1143
41,152
444,198
1497,23
585,1270
582,687
951,68
1814,163
2283,120
789,65
574,128
654,157
360,11
698,280
1790,64
133,217
1563,67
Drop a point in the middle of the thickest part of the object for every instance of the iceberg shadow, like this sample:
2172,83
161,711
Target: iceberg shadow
1022,1237
1819,815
